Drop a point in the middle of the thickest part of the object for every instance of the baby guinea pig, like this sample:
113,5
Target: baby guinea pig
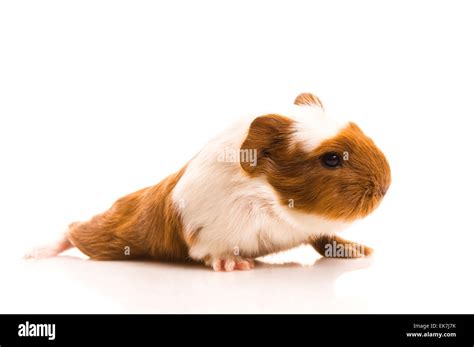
267,184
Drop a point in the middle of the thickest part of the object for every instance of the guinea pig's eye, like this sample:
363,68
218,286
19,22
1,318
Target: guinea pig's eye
331,159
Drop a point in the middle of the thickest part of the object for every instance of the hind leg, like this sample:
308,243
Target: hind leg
50,250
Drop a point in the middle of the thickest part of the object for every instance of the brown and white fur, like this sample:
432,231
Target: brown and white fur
227,213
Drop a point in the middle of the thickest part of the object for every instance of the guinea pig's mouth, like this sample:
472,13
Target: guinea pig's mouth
369,201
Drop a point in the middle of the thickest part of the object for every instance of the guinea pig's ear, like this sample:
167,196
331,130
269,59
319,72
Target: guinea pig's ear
308,99
267,134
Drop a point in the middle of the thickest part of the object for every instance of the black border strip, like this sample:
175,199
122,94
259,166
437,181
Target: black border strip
160,330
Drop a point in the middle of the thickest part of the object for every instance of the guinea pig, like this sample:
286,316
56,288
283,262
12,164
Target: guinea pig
267,184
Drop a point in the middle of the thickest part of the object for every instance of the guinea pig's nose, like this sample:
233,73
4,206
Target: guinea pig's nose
383,190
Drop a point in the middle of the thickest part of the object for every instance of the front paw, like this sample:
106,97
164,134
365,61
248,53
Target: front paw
350,250
230,263
337,247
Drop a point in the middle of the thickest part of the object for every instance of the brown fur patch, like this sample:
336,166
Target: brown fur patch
308,99
344,193
267,134
144,224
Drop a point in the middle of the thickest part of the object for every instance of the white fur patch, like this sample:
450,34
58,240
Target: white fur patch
313,126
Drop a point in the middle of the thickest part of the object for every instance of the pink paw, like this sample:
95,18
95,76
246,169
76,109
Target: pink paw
41,253
50,250
232,263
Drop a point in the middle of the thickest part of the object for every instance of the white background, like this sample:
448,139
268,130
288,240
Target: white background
101,98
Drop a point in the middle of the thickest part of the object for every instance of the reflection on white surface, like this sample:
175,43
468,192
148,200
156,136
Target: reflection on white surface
422,264
298,281
70,284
